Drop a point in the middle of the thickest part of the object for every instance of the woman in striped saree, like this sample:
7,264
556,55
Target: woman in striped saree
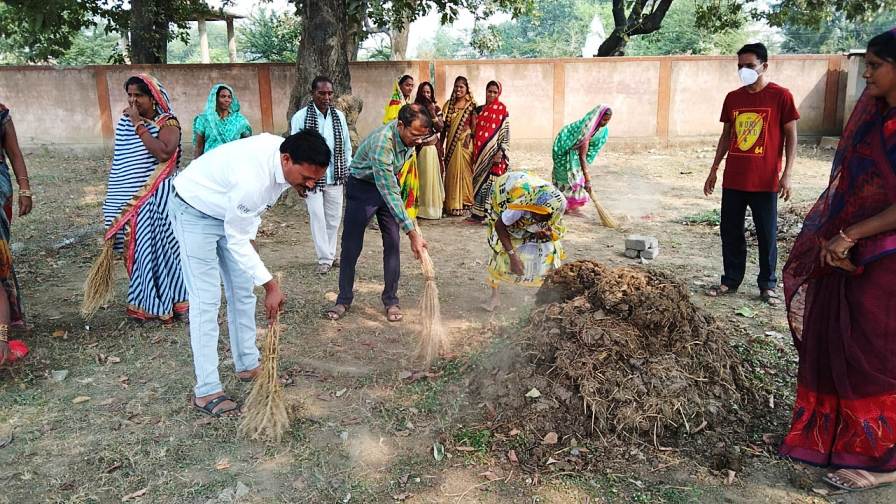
490,146
145,160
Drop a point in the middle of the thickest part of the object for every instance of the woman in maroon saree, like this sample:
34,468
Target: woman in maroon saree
840,288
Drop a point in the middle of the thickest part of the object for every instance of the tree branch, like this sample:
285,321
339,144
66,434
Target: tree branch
653,21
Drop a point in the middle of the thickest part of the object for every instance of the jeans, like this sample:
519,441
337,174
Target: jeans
363,202
325,214
764,206
206,262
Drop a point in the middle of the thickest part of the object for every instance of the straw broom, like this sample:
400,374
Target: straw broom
98,286
264,413
605,218
433,340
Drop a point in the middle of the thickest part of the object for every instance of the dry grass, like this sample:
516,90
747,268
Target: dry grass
98,288
264,414
433,339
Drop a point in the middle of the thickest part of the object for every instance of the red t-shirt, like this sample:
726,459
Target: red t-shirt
757,137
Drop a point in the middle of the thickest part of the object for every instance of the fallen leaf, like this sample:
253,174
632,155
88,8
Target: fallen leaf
745,311
550,438
489,475
821,491
59,375
404,375
402,496
511,456
135,495
340,393
223,464
730,479
60,333
513,432
770,439
438,451
551,461
534,393
113,360
465,448
80,399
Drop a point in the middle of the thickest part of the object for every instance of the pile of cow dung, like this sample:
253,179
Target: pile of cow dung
620,355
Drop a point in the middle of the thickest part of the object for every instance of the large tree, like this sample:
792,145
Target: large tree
333,29
642,17
44,29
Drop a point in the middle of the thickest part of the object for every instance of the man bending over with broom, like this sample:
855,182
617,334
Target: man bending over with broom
215,215
382,178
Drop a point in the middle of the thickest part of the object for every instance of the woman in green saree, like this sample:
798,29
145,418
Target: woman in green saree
220,122
575,148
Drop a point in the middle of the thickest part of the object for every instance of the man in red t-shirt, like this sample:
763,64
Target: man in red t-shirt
760,125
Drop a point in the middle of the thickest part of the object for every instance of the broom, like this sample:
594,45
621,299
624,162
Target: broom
98,286
264,414
433,340
605,218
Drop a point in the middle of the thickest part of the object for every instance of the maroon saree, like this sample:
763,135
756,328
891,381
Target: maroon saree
844,324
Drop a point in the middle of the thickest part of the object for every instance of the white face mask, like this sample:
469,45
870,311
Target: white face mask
748,76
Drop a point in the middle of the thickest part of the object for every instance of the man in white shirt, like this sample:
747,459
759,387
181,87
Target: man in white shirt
215,215
325,199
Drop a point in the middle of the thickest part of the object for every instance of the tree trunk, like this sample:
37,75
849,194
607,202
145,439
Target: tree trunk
399,40
614,45
637,22
149,32
324,49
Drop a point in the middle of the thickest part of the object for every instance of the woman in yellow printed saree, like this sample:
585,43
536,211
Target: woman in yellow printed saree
401,96
525,224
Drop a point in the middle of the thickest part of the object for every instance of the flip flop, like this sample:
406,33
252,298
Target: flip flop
863,478
770,297
209,408
720,290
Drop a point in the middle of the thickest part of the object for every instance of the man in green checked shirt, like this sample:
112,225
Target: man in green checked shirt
372,189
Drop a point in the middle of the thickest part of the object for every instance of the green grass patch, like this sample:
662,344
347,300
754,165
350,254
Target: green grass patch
708,218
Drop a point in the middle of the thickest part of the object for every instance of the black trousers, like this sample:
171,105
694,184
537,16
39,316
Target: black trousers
363,201
764,206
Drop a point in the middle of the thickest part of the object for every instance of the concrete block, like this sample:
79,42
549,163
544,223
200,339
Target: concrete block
631,253
650,254
637,242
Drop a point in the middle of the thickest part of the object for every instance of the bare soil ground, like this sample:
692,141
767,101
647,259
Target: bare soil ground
369,426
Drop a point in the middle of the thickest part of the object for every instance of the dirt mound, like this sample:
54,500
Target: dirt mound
621,354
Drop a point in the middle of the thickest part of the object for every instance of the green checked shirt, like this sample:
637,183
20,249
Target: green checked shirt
379,159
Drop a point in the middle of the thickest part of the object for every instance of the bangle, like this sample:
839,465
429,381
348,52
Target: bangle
511,252
23,178
847,238
26,193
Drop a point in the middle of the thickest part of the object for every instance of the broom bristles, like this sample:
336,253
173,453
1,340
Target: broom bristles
98,286
264,414
605,218
433,340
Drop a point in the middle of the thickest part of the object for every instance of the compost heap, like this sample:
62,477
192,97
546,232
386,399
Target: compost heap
622,354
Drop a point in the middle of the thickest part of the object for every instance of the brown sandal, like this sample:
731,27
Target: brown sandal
393,313
337,311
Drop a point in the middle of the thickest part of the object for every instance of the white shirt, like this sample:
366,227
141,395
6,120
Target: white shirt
325,128
236,183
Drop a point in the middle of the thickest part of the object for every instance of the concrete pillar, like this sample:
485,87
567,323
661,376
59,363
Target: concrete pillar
231,40
203,43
